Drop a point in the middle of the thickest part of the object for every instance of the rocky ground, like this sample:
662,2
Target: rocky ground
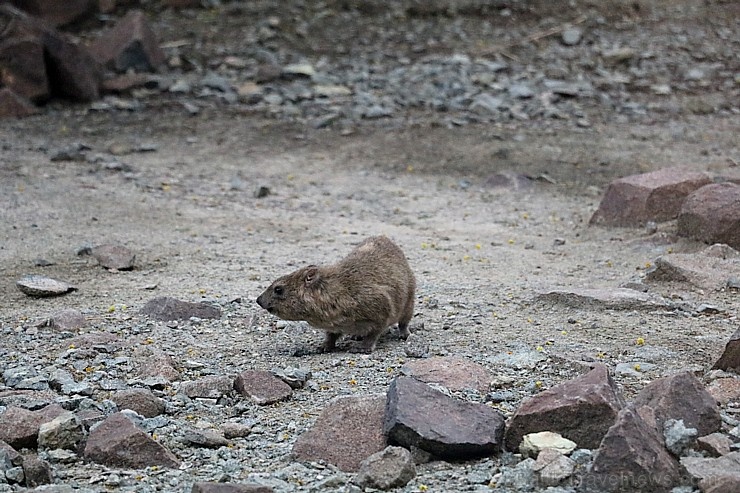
479,136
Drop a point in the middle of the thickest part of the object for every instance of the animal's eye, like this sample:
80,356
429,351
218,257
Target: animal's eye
278,290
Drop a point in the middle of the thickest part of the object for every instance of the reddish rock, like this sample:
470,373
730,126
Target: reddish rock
655,196
131,44
22,59
348,430
56,12
141,401
117,442
36,471
14,106
710,269
454,373
19,427
416,415
681,396
68,319
116,257
392,467
181,4
730,358
632,457
213,387
262,387
712,214
725,390
728,482
212,487
715,444
581,410
166,309
11,455
126,82
716,475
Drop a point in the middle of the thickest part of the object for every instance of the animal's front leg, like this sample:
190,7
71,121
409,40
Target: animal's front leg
330,342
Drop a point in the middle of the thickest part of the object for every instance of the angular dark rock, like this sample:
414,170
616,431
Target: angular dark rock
418,415
165,309
730,358
141,401
454,373
262,387
712,214
607,298
348,430
36,471
719,475
212,387
22,56
715,444
9,457
56,12
72,72
710,269
681,396
40,286
632,458
211,487
392,467
117,442
131,44
116,257
19,427
13,105
654,196
581,410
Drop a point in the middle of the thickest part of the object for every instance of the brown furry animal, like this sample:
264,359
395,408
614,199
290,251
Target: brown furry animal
361,295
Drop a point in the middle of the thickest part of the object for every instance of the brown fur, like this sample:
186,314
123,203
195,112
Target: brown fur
361,295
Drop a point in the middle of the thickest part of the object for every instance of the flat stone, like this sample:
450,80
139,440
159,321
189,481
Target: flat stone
715,444
130,44
166,309
40,286
235,430
453,372
631,457
712,268
552,467
392,467
204,438
534,443
14,105
655,196
712,214
581,410
681,396
117,442
418,415
19,427
730,358
213,487
141,401
262,387
715,474
211,387
115,257
348,430
606,298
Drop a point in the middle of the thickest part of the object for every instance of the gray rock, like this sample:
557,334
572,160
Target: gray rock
520,91
348,430
420,416
534,443
715,444
63,432
212,487
9,457
117,442
213,387
262,387
40,286
392,467
15,474
486,103
708,269
631,457
552,467
166,309
231,429
295,377
581,410
416,346
141,401
19,427
605,298
114,257
453,372
518,478
68,319
571,36
677,437
720,474
204,438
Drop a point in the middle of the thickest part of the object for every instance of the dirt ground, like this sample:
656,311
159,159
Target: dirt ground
481,254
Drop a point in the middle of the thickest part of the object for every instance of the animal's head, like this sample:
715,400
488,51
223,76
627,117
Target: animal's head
290,296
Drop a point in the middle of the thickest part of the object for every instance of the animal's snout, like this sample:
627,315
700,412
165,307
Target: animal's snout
264,303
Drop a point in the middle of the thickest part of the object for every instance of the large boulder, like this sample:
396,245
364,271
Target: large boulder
712,214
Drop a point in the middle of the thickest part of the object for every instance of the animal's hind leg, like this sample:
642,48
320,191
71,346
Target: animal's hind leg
408,313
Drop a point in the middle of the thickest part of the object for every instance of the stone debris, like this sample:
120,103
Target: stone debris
40,286
141,401
348,430
114,257
654,196
581,410
166,309
117,442
212,487
129,45
712,214
392,467
534,443
681,396
418,415
606,298
452,372
632,457
262,387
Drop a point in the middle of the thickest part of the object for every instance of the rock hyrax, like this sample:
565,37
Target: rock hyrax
361,295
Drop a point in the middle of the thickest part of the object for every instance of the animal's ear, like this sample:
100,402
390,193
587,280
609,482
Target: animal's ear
311,275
